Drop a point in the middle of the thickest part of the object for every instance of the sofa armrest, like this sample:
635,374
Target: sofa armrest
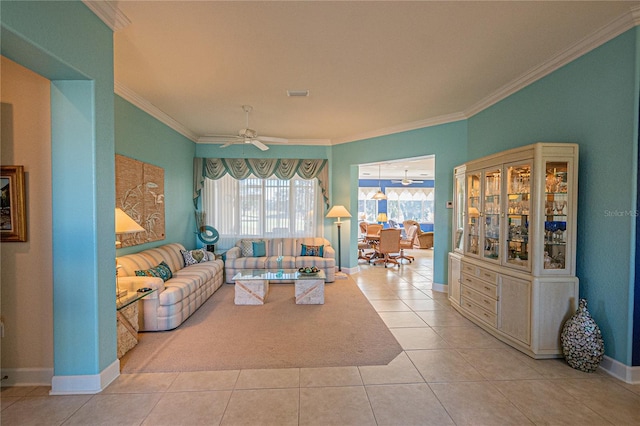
329,253
233,253
134,283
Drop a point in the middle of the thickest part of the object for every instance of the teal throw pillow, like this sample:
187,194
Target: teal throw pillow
312,250
259,249
161,271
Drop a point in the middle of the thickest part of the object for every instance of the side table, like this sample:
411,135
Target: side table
127,320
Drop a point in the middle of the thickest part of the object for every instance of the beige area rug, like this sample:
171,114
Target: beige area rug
345,331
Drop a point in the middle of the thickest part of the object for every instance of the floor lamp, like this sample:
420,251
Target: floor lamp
339,212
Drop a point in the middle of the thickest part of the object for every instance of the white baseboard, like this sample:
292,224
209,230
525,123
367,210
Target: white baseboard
442,288
620,371
85,384
26,376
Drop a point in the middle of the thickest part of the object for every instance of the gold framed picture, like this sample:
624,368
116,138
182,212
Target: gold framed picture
13,212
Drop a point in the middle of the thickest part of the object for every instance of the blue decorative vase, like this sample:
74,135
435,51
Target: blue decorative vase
582,343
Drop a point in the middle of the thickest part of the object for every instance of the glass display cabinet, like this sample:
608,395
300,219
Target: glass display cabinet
513,273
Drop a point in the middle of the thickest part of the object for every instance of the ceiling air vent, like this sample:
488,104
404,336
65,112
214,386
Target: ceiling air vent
297,93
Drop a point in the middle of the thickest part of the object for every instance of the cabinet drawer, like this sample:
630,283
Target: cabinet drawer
488,317
486,302
480,272
480,286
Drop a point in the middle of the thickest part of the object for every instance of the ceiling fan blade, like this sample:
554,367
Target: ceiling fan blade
272,139
226,145
259,144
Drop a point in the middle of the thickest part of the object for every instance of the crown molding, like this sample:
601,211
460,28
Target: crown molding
429,122
109,13
220,140
598,38
146,106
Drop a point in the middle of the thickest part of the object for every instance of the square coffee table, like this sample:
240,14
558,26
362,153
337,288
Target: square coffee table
310,288
252,286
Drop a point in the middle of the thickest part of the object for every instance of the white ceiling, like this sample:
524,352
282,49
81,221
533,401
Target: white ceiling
372,68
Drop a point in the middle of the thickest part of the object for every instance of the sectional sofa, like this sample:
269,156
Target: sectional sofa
193,276
263,253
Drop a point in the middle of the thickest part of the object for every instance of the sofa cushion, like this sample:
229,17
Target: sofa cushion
191,257
309,250
162,271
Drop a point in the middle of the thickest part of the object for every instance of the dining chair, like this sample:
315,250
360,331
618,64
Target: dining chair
373,230
389,244
407,243
363,228
369,241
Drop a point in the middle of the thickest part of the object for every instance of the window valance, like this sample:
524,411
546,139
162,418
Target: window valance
242,168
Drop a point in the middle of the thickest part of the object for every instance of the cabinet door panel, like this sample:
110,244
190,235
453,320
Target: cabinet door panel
518,209
454,279
472,242
491,213
515,308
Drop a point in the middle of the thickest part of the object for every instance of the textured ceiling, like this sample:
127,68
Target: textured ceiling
371,67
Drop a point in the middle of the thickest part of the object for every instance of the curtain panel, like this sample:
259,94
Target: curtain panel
263,168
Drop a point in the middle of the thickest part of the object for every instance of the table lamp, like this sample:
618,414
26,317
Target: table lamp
339,212
382,217
125,225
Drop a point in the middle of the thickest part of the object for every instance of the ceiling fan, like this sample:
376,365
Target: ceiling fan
406,181
248,135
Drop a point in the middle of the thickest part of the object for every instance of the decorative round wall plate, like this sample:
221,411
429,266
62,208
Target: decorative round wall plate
208,235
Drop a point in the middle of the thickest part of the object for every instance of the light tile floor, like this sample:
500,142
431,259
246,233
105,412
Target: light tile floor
451,372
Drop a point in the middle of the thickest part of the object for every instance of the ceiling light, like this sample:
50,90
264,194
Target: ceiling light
379,195
297,93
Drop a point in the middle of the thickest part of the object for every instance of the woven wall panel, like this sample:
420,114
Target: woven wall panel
140,194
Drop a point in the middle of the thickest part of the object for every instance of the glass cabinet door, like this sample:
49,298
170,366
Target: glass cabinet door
472,239
491,213
458,218
556,209
518,214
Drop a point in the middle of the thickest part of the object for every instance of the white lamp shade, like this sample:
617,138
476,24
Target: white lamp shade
338,211
126,225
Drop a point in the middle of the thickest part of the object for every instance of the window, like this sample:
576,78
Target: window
256,207
410,203
367,208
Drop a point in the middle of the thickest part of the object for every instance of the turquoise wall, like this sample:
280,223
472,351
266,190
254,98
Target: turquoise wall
142,137
592,101
79,61
448,142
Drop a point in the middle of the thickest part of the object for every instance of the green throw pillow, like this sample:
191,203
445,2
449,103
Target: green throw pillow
161,271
